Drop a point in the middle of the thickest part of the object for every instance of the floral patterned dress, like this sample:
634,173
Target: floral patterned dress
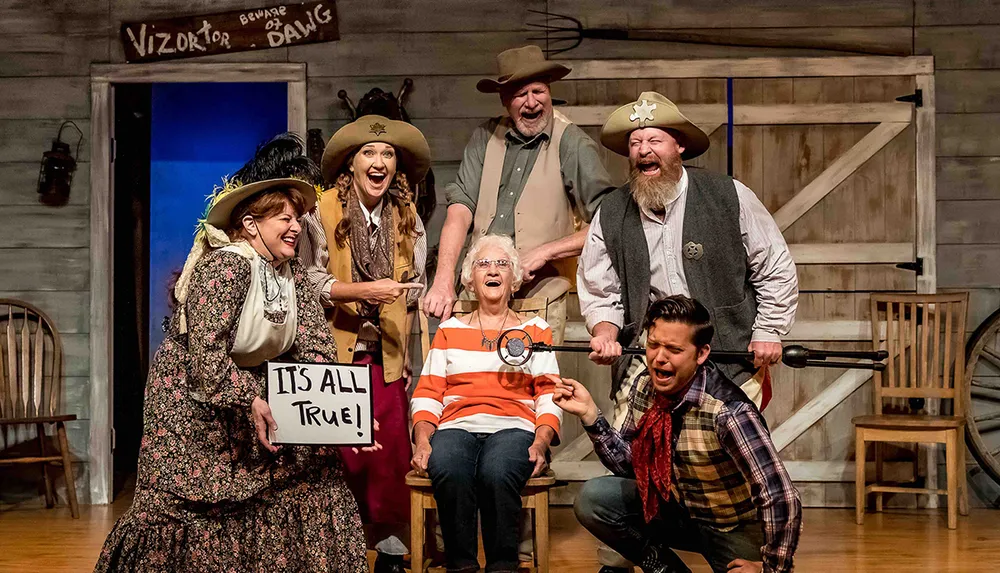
209,497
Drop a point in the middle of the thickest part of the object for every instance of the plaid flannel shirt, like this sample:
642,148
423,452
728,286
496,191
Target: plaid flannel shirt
743,435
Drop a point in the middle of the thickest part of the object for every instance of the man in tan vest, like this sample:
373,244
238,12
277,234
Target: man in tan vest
525,175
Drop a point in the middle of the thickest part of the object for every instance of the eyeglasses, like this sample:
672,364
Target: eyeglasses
484,264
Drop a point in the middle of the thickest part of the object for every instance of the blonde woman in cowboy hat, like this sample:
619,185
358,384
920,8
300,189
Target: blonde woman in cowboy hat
366,249
213,494
531,176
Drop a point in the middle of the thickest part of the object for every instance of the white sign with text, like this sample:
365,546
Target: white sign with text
322,404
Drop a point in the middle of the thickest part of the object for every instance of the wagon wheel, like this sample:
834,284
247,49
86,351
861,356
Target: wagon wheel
982,380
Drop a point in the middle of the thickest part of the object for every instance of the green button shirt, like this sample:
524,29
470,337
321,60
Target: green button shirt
584,176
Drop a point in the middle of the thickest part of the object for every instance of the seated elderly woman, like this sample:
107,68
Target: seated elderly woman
483,428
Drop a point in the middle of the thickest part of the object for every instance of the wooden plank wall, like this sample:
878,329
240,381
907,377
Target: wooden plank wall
445,46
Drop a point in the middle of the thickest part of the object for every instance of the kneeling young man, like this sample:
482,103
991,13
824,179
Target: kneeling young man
694,466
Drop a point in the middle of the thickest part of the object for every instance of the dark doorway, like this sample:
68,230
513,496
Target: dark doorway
173,144
131,276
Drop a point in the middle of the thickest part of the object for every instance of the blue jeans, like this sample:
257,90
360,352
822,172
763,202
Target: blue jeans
611,509
482,473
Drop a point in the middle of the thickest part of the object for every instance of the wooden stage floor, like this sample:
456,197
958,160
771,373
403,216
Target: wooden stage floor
39,540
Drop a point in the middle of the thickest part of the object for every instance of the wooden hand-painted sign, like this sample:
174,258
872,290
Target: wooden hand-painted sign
236,31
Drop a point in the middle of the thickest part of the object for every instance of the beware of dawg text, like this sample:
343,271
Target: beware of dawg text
227,32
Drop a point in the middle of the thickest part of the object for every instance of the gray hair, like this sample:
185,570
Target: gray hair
502,241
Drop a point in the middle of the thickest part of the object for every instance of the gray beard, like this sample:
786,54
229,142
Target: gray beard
656,192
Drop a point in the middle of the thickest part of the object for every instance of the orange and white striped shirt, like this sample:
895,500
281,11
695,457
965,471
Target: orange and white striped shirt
465,386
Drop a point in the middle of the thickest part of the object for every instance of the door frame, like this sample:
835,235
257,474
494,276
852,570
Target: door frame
103,78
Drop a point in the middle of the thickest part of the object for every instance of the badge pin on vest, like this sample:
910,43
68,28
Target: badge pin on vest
693,250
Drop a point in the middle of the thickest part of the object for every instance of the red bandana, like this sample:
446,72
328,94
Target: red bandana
652,455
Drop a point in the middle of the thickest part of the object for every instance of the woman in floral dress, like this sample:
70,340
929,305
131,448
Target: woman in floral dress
213,494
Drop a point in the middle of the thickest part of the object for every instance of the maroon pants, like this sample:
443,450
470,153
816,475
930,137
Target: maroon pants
377,479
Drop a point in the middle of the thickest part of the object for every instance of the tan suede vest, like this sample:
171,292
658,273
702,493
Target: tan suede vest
543,212
343,318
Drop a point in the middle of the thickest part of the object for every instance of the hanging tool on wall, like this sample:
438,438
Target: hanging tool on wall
563,33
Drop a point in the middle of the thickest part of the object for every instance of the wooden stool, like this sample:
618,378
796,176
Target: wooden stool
534,497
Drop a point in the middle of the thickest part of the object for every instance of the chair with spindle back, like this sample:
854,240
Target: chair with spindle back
925,337
534,496
31,379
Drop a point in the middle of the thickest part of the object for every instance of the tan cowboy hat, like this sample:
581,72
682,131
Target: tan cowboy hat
225,199
652,110
410,144
519,66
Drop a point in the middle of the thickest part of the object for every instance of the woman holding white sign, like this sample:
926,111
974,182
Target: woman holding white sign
482,428
365,248
213,494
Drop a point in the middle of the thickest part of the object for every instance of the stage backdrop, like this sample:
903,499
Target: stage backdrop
200,133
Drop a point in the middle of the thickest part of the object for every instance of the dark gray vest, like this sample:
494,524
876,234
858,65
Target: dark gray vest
718,277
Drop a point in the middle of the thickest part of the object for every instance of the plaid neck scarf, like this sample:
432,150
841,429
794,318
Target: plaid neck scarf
372,255
652,455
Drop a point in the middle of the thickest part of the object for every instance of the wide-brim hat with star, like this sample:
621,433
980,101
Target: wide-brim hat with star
652,110
410,144
519,66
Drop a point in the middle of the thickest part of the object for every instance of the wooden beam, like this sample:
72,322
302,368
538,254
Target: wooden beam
790,114
749,67
576,331
851,253
699,114
836,173
297,120
926,232
799,471
578,471
843,471
101,291
709,128
174,72
797,114
576,450
841,330
909,392
820,406
926,173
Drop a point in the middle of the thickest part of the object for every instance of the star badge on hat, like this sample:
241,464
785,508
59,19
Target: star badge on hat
693,250
377,128
642,111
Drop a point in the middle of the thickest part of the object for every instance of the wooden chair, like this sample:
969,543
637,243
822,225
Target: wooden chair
534,497
31,381
924,335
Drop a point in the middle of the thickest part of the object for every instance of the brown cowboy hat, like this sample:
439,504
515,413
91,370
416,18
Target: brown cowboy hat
519,66
651,109
410,144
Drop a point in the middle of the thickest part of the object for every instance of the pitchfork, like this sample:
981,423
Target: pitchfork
563,33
